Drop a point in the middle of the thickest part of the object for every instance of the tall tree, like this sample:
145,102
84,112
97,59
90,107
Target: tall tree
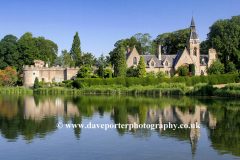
141,68
9,54
225,36
174,41
120,64
75,51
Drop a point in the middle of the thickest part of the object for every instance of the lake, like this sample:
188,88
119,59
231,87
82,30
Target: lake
118,127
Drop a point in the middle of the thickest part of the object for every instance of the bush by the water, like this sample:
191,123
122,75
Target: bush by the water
145,81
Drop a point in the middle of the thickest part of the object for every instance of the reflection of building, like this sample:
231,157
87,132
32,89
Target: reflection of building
175,115
33,109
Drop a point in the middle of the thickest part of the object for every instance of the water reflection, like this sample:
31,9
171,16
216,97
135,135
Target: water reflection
36,116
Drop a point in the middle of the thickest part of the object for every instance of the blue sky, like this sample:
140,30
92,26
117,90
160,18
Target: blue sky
100,23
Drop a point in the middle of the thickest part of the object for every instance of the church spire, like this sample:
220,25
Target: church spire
193,33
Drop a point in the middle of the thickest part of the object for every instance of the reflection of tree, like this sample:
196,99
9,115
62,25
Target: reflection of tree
77,120
16,125
120,116
226,137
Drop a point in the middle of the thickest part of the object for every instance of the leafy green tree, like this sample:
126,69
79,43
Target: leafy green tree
9,54
183,71
100,71
27,49
36,83
107,73
67,59
132,72
231,68
192,69
141,68
146,43
225,36
85,71
75,52
216,68
88,58
120,64
173,42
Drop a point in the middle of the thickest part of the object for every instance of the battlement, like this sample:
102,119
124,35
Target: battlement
32,67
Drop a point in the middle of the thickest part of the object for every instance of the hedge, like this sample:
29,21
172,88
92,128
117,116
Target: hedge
145,81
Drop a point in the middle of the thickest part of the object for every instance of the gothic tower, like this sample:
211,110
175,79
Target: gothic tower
193,47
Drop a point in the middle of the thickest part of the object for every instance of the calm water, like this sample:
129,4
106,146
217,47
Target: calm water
28,126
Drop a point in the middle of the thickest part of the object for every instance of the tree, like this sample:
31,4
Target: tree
141,68
225,36
146,43
59,61
67,59
120,64
9,54
101,61
231,68
216,68
36,85
173,42
75,51
108,73
85,71
88,58
132,72
192,69
100,71
183,71
9,76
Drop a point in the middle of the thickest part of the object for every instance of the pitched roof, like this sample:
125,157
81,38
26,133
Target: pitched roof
179,54
147,59
128,54
170,58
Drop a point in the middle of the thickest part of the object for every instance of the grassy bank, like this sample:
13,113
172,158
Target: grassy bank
15,90
161,89
200,89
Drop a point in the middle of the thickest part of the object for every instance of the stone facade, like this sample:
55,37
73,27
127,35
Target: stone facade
170,63
47,74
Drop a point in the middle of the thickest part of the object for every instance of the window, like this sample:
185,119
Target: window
135,60
42,79
34,74
166,63
195,51
152,64
167,72
202,61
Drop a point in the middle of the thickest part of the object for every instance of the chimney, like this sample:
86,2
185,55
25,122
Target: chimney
159,52
129,49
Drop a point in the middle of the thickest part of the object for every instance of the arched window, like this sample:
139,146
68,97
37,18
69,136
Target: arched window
135,61
195,51
166,63
152,63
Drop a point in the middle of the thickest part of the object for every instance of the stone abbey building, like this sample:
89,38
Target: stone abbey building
170,63
159,62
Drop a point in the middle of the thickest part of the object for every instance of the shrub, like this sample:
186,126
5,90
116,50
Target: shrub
192,69
67,81
213,79
36,83
151,74
195,80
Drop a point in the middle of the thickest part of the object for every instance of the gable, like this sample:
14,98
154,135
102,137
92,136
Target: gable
130,55
183,57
